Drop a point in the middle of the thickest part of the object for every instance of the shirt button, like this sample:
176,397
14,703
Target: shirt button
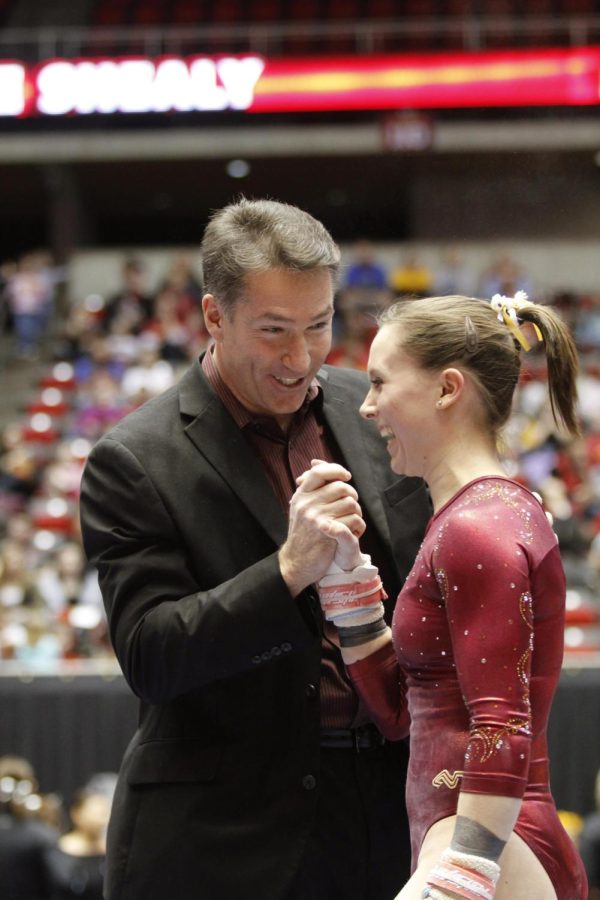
311,691
309,782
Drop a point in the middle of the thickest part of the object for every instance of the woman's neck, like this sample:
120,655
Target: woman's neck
458,463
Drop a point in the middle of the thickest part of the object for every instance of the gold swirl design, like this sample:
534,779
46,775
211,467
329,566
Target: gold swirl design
526,608
505,495
488,738
447,778
485,741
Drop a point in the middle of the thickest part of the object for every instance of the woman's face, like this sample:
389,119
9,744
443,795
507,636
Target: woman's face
402,402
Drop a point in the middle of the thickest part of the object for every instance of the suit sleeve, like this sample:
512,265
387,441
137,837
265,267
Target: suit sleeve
169,636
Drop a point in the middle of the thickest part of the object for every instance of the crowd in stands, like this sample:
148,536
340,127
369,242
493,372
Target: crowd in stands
56,850
106,355
50,850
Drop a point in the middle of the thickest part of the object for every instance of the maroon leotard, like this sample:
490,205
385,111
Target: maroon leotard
478,635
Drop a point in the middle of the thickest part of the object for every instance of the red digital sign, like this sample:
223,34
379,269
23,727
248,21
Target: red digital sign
256,84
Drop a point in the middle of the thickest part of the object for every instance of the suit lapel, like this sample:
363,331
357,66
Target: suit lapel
361,452
217,437
220,441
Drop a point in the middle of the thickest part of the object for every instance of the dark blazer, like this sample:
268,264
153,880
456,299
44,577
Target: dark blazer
213,799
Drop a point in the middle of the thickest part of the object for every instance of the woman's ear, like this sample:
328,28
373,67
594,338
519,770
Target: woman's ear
452,383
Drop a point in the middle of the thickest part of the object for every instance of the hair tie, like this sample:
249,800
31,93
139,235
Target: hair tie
507,308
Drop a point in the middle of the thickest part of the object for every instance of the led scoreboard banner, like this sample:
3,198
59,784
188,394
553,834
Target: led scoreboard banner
257,84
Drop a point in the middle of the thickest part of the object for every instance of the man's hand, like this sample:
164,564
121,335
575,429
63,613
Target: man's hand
323,494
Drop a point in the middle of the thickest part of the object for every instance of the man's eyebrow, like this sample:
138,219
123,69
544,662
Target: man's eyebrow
276,317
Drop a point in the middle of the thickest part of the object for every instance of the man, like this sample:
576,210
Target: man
254,772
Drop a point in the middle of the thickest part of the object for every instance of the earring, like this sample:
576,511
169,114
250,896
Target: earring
439,404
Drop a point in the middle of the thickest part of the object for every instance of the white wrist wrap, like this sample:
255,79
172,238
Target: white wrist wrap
465,874
480,864
343,593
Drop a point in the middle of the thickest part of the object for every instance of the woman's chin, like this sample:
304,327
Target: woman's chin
398,464
401,466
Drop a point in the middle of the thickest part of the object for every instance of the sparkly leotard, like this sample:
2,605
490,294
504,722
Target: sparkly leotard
478,637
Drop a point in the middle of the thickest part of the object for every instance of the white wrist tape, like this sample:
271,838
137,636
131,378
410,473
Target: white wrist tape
465,874
336,575
480,864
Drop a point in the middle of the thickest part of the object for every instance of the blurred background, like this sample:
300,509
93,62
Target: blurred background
451,146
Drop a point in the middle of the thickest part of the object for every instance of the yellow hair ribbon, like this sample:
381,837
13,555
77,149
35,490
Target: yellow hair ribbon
507,309
515,330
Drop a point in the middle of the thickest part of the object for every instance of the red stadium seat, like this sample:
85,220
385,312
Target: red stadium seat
230,12
112,12
381,9
150,12
343,9
265,11
189,12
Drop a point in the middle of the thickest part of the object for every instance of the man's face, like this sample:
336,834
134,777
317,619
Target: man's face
276,339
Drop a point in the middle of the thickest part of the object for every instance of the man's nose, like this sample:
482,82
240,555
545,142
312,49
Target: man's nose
296,356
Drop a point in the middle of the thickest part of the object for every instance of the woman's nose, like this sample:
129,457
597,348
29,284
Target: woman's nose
367,408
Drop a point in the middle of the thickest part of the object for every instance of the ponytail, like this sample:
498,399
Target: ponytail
562,363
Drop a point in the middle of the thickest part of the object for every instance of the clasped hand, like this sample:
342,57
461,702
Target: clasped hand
325,523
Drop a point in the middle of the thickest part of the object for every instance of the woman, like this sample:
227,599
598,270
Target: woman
475,650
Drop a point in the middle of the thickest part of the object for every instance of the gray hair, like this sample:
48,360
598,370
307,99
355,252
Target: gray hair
258,235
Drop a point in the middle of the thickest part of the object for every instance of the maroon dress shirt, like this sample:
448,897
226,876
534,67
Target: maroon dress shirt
285,455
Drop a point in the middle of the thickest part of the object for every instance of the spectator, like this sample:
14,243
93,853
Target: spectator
183,281
26,844
364,271
29,295
78,863
131,307
65,580
504,276
17,583
103,405
411,278
94,353
589,845
169,327
365,284
351,349
150,376
453,276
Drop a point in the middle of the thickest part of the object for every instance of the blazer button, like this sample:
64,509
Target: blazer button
311,691
309,782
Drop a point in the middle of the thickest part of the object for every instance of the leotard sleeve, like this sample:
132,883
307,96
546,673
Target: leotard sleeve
482,568
379,681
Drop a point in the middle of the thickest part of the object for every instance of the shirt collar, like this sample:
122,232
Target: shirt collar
242,416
